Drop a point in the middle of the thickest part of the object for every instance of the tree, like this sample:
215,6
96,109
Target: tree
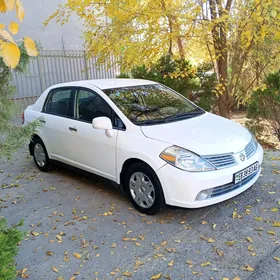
14,56
12,136
9,50
227,32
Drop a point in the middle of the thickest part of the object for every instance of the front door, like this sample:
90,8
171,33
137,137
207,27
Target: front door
93,150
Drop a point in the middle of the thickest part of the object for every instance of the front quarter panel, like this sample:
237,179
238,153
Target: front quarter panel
136,146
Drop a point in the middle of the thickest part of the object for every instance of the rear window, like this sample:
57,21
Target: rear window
59,102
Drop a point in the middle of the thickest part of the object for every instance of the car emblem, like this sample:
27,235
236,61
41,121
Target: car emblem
242,157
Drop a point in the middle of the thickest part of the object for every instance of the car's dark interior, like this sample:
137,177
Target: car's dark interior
93,107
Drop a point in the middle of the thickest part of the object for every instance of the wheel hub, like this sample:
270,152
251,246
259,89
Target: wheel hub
142,189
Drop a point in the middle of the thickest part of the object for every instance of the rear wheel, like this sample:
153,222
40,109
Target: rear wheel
40,155
144,189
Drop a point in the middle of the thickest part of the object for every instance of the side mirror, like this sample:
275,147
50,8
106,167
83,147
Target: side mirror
103,123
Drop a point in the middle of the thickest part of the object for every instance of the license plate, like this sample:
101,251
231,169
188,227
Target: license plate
243,174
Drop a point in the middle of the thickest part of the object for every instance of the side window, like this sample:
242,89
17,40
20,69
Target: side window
90,105
59,102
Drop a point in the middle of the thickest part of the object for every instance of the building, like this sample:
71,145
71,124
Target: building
52,37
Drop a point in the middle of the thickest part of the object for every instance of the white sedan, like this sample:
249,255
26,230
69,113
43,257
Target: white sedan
160,147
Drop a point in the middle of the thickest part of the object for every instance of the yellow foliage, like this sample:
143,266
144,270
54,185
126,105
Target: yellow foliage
3,7
13,28
6,36
11,54
10,4
30,47
9,51
20,10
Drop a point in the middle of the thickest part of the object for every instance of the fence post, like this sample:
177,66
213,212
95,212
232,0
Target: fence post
40,74
85,62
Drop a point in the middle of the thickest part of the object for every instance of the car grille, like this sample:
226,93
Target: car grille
221,161
231,186
250,149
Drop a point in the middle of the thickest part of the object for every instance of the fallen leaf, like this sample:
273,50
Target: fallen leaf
49,253
189,262
206,263
196,273
214,226
171,263
209,240
235,215
54,269
276,258
137,244
271,192
114,245
126,238
250,248
274,210
236,278
231,243
155,277
142,237
271,232
250,239
204,223
77,256
73,278
248,268
163,243
258,218
276,224
59,238
23,273
34,233
127,274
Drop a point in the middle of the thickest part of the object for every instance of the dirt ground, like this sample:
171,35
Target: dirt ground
268,139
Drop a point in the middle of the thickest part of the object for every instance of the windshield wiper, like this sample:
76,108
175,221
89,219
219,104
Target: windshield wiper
184,115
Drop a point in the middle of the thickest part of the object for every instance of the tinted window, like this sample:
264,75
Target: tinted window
59,102
152,103
90,105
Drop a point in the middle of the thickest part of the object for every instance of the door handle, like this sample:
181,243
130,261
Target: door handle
73,128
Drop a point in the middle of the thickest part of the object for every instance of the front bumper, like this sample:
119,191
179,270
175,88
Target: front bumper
181,187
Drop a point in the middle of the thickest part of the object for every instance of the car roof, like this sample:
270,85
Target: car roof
108,83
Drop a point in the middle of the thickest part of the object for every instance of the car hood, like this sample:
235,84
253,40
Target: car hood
207,134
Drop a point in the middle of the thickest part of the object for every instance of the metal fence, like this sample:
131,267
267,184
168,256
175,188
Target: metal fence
52,67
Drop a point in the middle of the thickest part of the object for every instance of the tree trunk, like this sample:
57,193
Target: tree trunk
221,52
223,108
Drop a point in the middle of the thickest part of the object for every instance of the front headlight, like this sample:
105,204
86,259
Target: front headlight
185,159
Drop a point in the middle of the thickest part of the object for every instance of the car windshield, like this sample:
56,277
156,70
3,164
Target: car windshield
151,104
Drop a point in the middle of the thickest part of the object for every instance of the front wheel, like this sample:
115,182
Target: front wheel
144,189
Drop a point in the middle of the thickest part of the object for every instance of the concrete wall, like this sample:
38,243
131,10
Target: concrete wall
52,37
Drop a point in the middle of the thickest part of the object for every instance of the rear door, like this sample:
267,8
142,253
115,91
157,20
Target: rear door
57,112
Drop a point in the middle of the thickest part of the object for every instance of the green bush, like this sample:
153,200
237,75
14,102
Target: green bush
265,103
181,76
9,238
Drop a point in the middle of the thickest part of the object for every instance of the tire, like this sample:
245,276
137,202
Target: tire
40,155
147,197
